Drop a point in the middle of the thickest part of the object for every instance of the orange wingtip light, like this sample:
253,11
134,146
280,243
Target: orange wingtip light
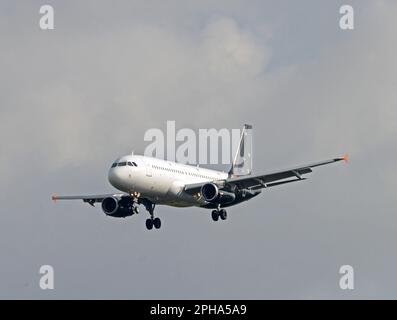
54,198
346,157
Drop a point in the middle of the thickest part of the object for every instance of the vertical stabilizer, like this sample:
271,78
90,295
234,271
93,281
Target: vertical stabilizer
242,161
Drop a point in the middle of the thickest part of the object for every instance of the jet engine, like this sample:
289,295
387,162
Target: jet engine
114,207
212,194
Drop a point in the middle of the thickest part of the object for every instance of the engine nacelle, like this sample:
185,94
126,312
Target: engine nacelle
210,191
114,207
212,194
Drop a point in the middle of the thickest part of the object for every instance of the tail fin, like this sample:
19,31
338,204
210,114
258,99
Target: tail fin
242,161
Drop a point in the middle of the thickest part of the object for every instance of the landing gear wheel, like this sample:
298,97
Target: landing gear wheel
135,210
157,223
223,214
215,215
149,224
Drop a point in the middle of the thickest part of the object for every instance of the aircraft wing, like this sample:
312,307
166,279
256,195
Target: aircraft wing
259,181
91,199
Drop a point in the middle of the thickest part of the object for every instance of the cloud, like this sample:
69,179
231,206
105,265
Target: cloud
76,88
233,54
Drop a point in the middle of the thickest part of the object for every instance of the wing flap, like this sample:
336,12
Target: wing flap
273,184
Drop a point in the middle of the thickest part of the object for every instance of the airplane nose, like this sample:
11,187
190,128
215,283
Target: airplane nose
115,177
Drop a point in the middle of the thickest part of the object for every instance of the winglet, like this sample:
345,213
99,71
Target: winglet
346,157
54,198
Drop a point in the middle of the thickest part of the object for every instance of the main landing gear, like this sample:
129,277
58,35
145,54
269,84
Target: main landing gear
219,213
152,221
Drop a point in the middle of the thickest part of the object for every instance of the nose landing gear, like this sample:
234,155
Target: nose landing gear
134,206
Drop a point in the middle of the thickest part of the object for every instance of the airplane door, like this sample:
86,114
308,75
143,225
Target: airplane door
148,170
150,183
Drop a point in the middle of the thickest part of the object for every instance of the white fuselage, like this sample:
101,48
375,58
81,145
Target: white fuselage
160,181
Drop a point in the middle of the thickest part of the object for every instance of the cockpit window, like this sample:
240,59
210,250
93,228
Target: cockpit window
123,164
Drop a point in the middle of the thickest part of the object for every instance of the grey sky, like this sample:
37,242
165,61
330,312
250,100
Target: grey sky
75,98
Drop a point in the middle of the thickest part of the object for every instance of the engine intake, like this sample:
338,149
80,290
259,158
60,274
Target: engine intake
212,194
210,191
110,205
114,207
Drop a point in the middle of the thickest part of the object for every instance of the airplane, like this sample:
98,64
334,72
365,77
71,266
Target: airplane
150,181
